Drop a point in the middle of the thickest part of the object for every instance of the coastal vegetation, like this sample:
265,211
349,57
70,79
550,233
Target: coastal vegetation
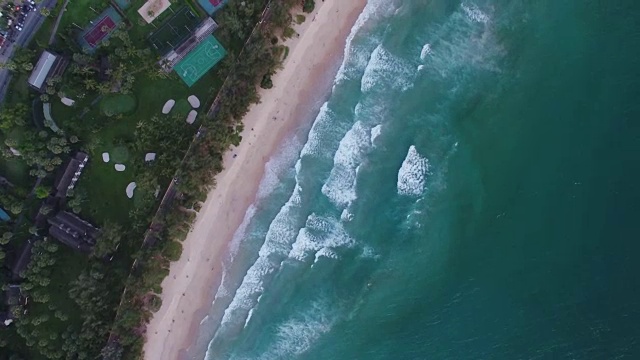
96,305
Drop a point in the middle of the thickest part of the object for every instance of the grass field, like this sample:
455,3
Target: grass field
181,108
115,104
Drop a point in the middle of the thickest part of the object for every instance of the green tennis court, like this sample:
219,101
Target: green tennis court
174,31
200,60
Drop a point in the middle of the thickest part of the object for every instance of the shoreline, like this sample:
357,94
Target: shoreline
188,290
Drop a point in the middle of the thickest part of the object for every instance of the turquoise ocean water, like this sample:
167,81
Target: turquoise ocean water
468,191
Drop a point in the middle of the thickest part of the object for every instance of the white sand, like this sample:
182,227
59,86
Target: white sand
152,9
67,101
194,101
130,188
186,292
191,118
120,167
168,106
150,157
106,157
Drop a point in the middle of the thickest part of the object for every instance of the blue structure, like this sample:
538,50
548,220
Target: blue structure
211,6
123,4
4,216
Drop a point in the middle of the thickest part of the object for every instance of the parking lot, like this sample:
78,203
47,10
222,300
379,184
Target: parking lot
13,20
31,22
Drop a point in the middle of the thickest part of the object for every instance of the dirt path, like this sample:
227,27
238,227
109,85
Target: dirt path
55,27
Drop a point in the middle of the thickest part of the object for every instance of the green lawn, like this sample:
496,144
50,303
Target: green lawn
16,171
104,186
115,104
19,90
105,189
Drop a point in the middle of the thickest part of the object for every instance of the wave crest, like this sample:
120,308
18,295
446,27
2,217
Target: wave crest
413,174
340,187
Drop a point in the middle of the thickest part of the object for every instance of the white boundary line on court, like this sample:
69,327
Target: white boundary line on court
197,58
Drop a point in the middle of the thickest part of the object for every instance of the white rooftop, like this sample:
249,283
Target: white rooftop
40,72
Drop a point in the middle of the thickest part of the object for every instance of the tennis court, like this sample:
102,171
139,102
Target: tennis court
200,60
99,29
211,6
174,31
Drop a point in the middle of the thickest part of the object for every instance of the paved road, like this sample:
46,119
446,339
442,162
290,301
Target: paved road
31,25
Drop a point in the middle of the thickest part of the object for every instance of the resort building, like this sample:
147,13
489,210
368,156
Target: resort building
22,260
72,231
67,180
49,65
12,300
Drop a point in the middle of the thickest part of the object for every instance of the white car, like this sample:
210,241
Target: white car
18,27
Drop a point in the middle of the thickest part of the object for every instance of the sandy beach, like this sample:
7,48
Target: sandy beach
187,291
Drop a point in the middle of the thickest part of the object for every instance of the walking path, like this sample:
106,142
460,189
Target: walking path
55,27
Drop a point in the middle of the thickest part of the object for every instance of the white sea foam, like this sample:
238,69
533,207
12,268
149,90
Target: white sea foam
426,50
340,187
281,234
346,215
375,132
369,253
320,233
241,231
234,246
413,173
465,41
277,167
327,253
204,320
325,126
388,69
357,57
298,334
246,322
474,13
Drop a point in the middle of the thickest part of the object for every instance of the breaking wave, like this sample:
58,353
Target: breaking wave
413,174
385,67
320,237
340,188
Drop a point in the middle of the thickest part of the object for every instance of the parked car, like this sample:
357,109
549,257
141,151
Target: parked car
19,27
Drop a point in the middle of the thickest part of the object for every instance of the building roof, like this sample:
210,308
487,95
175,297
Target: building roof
67,181
23,259
40,218
41,70
12,295
72,231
